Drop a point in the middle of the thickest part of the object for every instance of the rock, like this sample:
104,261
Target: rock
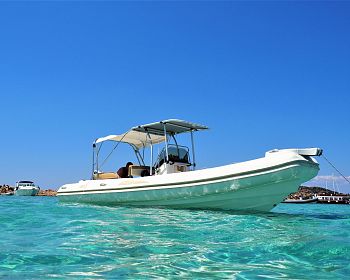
6,189
48,192
308,192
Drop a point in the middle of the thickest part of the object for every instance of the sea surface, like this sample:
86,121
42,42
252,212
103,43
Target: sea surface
41,238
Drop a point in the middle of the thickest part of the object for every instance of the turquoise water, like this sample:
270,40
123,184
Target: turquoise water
41,238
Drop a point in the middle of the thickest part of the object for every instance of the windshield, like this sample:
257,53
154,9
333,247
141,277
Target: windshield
26,184
176,154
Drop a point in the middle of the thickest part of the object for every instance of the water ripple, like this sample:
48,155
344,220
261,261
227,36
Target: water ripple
41,239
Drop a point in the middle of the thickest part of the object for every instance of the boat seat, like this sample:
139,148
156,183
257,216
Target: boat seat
106,175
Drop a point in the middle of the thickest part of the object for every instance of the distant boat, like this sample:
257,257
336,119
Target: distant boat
301,200
334,199
6,190
173,181
26,188
8,193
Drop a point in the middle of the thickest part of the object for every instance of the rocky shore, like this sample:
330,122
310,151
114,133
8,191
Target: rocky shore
8,190
48,192
309,192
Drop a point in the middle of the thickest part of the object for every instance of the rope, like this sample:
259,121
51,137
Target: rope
336,169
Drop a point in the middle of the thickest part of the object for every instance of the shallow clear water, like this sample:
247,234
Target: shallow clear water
41,238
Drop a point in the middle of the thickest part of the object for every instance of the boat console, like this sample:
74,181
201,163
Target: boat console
173,158
178,160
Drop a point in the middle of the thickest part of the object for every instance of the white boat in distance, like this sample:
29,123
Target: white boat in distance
301,200
173,181
26,188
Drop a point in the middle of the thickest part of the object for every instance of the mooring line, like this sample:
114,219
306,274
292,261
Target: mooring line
336,169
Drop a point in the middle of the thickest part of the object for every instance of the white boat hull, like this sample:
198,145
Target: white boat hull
27,191
256,185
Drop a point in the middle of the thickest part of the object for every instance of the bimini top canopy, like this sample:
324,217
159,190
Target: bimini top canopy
172,126
153,133
138,139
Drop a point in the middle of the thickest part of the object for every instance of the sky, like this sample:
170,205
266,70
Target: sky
261,74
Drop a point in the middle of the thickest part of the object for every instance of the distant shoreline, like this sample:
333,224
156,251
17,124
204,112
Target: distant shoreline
8,190
305,192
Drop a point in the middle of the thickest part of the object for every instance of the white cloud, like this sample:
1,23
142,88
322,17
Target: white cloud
337,183
330,179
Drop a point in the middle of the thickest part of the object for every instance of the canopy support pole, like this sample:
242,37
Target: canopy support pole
193,154
166,143
151,165
93,160
137,154
97,154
